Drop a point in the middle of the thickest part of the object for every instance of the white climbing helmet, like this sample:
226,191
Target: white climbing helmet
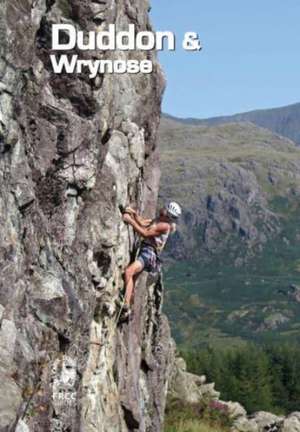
174,210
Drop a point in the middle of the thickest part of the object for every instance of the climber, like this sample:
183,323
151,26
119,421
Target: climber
155,235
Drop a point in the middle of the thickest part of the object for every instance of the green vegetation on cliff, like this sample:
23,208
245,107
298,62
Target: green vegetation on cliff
192,425
195,418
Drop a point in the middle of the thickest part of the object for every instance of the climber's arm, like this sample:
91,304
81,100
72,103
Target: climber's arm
143,222
146,232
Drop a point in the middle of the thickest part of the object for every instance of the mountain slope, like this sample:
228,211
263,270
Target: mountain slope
238,244
283,121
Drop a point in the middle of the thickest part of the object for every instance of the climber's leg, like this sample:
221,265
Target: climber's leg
132,270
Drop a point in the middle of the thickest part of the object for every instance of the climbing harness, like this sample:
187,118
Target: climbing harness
149,258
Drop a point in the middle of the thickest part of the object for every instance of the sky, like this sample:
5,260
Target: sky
250,57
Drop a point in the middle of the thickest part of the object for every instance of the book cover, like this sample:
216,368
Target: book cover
149,202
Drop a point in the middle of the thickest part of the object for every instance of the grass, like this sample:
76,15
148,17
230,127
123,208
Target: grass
194,418
193,426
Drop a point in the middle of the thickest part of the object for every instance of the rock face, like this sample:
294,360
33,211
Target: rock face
71,151
188,387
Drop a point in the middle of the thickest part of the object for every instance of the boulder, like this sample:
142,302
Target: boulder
243,424
267,421
234,410
291,423
188,387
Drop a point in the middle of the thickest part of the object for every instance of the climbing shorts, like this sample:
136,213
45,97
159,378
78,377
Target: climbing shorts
149,259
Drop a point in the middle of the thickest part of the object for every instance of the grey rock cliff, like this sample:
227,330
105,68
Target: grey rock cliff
71,151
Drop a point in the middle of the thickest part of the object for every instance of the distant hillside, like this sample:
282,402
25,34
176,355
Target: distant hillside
284,121
235,267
